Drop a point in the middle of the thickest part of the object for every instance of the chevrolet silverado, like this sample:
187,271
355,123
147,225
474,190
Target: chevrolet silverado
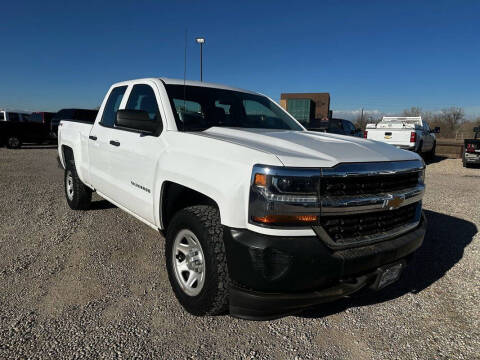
261,217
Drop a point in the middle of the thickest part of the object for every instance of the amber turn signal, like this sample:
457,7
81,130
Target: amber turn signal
260,180
285,219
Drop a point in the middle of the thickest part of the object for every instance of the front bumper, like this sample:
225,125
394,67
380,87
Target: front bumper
406,147
273,276
472,158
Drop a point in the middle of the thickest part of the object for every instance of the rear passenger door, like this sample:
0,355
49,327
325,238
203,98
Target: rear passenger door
133,157
99,146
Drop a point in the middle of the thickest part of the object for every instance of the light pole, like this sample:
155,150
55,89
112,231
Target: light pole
201,41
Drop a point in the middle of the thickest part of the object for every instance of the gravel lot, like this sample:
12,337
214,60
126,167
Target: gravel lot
93,284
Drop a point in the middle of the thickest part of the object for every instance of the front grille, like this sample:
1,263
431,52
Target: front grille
360,185
344,227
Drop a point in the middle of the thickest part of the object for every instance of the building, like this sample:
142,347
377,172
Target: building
306,106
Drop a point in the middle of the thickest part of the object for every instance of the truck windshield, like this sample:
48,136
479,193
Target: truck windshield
198,108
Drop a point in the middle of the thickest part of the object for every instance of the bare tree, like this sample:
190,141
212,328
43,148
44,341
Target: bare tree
452,118
413,111
367,118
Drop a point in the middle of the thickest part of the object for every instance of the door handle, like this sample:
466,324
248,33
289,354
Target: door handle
92,137
114,143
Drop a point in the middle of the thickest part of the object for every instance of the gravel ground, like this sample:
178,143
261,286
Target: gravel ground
93,284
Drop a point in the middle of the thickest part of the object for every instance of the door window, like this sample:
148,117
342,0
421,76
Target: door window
2,115
112,105
143,98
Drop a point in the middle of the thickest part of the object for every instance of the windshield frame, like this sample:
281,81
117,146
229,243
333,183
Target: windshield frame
177,92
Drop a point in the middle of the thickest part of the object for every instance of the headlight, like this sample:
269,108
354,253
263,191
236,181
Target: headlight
421,176
284,197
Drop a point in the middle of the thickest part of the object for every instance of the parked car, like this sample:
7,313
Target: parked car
85,115
18,128
335,126
409,133
260,216
471,149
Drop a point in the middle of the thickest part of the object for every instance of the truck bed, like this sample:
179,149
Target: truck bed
74,133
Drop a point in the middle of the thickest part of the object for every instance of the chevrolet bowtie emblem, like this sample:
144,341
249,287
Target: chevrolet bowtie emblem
394,203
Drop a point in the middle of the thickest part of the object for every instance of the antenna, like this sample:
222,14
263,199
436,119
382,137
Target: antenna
185,72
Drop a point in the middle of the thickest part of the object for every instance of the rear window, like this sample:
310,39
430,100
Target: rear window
2,115
13,117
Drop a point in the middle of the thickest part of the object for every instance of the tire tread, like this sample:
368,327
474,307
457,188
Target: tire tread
209,218
82,195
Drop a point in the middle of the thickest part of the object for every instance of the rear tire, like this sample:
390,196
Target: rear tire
14,142
431,153
77,194
194,245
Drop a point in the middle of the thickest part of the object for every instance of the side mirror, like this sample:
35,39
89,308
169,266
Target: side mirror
136,120
476,129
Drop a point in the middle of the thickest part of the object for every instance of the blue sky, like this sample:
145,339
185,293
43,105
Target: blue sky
383,55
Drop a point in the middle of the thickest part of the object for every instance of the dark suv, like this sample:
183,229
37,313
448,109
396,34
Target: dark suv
335,126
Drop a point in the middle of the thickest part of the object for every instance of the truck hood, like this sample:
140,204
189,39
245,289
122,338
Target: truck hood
310,149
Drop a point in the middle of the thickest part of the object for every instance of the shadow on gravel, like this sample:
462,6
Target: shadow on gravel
436,159
443,247
101,205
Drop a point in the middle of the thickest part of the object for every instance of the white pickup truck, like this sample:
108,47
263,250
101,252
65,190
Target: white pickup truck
409,133
261,217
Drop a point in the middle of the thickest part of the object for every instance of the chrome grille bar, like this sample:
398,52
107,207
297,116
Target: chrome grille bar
342,205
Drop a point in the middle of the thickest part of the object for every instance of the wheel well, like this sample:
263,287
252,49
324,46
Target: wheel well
175,197
420,145
67,154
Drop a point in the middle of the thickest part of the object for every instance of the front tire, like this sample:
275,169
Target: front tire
77,194
196,260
